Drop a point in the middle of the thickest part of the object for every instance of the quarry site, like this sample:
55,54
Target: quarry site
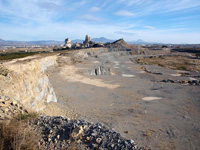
102,96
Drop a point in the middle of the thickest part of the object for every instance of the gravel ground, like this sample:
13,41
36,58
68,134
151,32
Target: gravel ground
126,98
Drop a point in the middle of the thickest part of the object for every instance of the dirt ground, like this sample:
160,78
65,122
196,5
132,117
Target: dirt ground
114,89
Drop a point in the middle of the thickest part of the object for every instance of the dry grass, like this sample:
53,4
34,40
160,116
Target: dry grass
177,62
18,134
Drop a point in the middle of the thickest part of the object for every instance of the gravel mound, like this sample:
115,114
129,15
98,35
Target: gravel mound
62,133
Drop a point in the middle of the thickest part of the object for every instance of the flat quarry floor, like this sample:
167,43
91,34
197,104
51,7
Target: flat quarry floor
113,89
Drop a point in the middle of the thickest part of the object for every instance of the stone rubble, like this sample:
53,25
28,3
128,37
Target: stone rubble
10,108
100,70
62,133
189,82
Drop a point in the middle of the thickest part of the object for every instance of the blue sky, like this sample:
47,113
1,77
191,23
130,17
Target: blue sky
168,21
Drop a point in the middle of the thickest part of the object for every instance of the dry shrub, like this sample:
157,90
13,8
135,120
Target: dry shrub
18,135
3,70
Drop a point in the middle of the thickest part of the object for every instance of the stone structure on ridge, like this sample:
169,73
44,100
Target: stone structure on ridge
68,43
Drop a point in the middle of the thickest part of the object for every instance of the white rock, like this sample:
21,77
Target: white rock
151,98
128,75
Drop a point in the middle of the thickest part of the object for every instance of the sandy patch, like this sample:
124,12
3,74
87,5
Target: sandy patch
151,98
142,72
95,62
128,62
176,75
56,109
193,79
116,63
128,75
70,73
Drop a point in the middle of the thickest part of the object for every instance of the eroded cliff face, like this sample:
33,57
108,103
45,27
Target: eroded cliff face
26,81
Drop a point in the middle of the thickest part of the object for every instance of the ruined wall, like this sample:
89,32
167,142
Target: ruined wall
26,81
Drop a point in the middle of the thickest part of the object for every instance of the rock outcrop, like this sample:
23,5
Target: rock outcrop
77,46
25,80
68,43
120,44
87,41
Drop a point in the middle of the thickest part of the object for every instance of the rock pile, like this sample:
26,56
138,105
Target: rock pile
9,108
100,70
148,71
189,82
62,133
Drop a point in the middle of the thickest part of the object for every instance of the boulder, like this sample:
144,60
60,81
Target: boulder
77,45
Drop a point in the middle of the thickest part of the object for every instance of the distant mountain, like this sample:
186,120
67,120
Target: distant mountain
77,41
48,42
1,40
29,43
97,40
53,42
102,40
139,42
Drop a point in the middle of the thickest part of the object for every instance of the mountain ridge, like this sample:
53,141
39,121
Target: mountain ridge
55,42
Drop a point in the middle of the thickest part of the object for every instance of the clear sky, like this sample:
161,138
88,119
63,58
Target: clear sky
168,21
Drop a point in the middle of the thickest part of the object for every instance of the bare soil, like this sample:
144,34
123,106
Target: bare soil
160,116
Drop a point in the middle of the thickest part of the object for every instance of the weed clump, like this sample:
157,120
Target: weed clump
18,134
3,71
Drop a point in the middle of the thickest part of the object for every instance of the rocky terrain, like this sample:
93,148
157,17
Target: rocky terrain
156,106
62,133
101,98
10,108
